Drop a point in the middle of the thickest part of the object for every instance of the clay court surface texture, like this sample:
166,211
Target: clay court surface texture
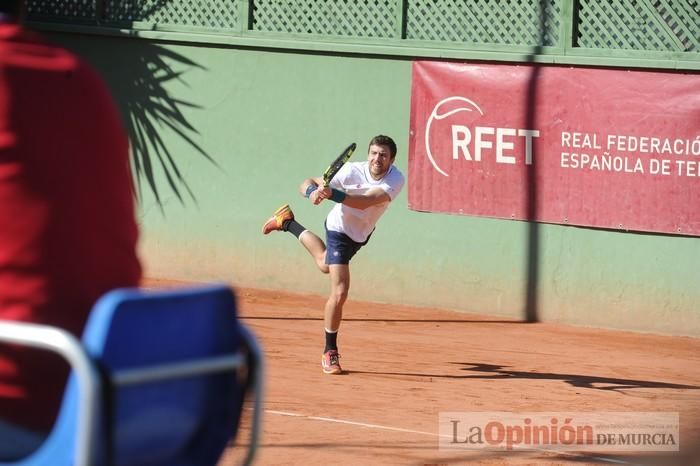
403,366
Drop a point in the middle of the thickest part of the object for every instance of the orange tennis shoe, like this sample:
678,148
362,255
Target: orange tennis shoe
277,220
330,361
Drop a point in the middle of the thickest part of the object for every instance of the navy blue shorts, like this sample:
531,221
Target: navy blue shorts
340,247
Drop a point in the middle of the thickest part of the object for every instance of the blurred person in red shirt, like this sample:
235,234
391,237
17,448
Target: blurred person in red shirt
68,232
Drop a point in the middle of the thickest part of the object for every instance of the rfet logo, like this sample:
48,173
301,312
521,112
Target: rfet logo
453,127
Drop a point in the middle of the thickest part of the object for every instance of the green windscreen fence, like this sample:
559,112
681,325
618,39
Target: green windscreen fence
335,18
668,25
204,14
653,29
117,13
474,22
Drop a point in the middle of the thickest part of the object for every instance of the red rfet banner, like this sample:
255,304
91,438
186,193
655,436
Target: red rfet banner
594,147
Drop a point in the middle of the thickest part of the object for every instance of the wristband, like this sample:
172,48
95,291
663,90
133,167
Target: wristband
337,195
311,188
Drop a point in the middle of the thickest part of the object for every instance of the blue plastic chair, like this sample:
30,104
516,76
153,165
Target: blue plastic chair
159,379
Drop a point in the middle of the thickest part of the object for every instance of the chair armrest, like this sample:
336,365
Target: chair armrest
67,346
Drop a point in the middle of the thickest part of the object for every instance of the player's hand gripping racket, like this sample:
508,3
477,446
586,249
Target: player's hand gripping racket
337,164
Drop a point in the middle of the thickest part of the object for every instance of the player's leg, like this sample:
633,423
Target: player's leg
283,220
333,314
340,250
316,248
340,285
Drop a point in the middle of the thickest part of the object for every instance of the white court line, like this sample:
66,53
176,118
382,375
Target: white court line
282,413
432,434
375,426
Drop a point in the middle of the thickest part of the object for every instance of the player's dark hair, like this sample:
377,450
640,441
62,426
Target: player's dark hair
382,140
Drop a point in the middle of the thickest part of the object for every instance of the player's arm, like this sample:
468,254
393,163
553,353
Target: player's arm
313,182
362,201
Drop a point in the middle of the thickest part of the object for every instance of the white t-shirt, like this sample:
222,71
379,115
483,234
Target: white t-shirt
355,178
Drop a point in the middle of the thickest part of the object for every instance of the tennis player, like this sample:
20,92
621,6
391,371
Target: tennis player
362,192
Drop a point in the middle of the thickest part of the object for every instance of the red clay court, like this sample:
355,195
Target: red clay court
405,365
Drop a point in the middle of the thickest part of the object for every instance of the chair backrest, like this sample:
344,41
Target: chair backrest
132,334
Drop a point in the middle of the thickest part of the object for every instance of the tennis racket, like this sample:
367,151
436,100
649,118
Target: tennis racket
337,164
